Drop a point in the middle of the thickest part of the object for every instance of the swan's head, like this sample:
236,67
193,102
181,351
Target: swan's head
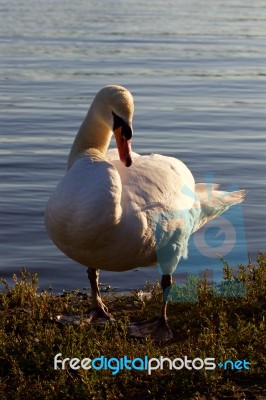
116,107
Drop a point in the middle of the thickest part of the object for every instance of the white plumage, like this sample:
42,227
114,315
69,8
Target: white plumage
107,216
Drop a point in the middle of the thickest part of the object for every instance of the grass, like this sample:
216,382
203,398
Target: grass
212,326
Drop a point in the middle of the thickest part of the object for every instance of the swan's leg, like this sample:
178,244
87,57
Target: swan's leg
98,312
157,327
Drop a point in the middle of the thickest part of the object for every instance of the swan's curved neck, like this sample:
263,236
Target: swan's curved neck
93,138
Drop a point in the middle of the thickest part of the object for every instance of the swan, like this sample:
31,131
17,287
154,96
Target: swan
116,210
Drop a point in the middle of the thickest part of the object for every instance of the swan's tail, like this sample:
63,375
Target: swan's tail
211,203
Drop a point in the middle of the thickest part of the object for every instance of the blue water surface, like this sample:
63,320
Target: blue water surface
196,70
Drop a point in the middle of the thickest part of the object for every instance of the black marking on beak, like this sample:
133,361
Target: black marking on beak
126,132
126,129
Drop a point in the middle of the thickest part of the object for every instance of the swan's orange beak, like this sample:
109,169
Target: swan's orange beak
124,147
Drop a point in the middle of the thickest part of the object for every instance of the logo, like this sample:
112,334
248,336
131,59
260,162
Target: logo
146,364
208,236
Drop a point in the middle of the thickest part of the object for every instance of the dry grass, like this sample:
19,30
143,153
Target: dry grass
223,328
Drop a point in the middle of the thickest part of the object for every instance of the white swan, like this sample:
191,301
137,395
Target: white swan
107,216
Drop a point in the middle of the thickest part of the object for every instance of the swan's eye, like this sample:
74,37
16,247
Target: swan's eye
118,121
126,131
125,128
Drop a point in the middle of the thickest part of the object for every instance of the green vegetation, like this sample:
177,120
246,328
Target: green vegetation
223,328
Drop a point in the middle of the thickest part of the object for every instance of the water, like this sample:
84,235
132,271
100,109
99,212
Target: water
197,73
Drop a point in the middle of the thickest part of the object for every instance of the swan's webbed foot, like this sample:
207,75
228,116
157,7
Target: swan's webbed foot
157,328
99,315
